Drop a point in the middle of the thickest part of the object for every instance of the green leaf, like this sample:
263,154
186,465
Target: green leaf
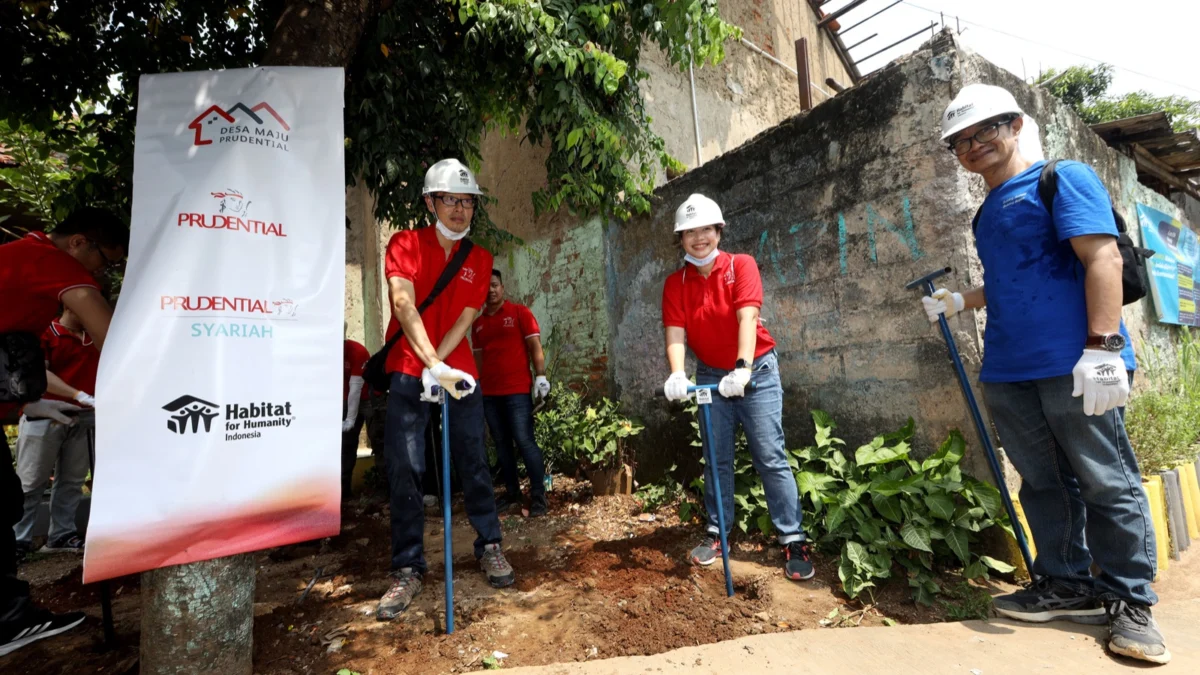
940,504
958,541
989,498
887,506
887,621
870,531
835,518
869,454
858,555
764,523
975,570
916,537
813,484
849,497
998,565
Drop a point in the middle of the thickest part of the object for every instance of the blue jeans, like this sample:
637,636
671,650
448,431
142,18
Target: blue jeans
1080,488
404,446
510,419
760,412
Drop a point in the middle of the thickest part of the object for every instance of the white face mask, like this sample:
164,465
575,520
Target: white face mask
701,262
449,233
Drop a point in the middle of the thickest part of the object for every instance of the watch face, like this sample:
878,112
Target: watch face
1114,342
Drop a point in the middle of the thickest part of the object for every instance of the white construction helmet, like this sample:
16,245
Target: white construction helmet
697,211
976,103
450,175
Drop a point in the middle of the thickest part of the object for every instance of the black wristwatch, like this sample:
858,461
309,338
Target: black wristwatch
1113,342
741,363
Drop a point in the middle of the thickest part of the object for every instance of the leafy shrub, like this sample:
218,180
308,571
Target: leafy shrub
554,427
656,495
571,429
1164,421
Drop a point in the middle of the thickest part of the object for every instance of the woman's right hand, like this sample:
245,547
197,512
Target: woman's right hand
676,387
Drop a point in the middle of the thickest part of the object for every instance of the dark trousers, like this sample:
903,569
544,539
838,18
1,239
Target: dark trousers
350,451
510,419
14,593
407,416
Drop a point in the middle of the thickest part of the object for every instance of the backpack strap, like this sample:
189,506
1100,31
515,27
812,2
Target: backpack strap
1048,185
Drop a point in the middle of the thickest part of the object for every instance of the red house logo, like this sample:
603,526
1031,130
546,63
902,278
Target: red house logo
257,125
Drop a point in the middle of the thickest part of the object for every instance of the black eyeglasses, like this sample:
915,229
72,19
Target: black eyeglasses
109,263
466,202
985,135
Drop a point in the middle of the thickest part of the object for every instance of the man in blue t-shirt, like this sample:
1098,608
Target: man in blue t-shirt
1054,375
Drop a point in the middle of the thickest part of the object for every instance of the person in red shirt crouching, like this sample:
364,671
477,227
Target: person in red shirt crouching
506,339
434,353
354,392
46,446
712,306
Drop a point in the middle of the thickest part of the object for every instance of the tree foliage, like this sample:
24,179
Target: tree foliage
1086,90
429,79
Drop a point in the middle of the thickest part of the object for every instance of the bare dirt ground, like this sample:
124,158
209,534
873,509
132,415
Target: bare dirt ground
594,580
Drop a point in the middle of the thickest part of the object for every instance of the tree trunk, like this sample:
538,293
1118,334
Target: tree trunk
320,32
198,619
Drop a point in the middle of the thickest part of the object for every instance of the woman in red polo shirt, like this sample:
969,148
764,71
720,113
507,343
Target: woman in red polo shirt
712,306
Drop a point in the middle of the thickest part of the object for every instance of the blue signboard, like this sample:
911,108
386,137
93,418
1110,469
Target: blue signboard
1173,268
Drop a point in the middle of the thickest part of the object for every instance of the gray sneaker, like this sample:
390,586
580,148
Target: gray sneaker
1133,632
405,585
1047,600
70,543
499,573
707,552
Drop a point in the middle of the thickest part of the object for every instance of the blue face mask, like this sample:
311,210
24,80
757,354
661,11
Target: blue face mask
701,262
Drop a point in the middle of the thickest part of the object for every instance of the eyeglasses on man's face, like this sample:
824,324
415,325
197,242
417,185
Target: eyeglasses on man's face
987,134
467,203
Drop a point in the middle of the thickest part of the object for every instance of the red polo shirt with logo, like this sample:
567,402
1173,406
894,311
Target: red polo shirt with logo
72,358
34,273
417,256
707,308
500,338
354,357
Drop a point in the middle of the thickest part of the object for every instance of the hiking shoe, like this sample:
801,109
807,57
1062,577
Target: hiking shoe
405,585
707,552
537,509
499,573
797,565
32,624
71,543
1133,632
1046,600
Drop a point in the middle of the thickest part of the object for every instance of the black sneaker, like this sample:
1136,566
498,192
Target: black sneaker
1133,632
499,573
797,565
405,585
33,624
538,508
1046,600
71,543
708,551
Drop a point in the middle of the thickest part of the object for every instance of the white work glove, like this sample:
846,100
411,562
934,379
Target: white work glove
541,387
447,378
86,399
347,424
1101,380
53,410
734,384
942,302
676,387
355,387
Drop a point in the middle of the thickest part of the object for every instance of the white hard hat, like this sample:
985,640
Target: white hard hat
697,211
450,175
976,103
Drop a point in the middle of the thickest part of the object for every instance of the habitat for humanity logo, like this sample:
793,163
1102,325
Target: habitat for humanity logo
232,215
189,414
229,317
257,125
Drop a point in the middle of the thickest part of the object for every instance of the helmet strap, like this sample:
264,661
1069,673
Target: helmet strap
701,262
449,233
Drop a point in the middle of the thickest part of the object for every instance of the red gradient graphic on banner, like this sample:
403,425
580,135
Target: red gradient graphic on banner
310,511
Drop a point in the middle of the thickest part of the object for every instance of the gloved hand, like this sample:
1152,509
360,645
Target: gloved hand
86,399
942,302
54,410
734,384
1101,380
347,424
447,378
541,387
676,387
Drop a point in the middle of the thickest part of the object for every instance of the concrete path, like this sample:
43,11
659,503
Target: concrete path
993,647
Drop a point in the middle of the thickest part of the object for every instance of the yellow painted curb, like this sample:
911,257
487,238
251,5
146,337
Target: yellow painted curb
1158,514
1028,535
1191,500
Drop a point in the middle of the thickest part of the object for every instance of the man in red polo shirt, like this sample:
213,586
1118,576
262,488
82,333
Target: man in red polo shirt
433,353
506,339
38,274
45,446
354,357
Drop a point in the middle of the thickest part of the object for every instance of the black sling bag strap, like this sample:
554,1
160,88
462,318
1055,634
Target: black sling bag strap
375,371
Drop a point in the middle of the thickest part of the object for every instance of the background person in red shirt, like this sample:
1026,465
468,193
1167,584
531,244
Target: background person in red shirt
506,340
712,306
354,357
45,446
434,352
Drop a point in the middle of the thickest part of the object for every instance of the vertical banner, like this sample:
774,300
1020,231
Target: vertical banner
1173,269
218,397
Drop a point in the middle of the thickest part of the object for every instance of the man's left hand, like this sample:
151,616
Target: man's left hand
541,387
734,384
1101,379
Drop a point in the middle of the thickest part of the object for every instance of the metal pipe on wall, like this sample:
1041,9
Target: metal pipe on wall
695,111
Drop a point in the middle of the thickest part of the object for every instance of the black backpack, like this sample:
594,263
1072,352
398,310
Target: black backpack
1133,273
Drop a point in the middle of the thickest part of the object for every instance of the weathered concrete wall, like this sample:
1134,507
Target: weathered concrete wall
1189,206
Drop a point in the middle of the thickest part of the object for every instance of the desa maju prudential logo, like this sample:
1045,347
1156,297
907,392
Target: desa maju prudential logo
249,125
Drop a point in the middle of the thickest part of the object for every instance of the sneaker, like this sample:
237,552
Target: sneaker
499,573
797,564
33,624
537,509
405,585
1133,632
1046,600
71,543
708,551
